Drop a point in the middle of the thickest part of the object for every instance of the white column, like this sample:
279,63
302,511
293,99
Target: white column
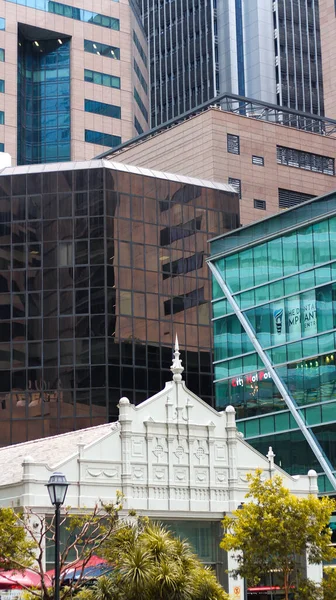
125,420
236,586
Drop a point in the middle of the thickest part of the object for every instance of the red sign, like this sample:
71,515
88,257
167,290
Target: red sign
251,378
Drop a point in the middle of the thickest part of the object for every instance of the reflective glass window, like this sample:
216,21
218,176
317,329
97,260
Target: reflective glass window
102,78
102,49
103,139
71,12
140,104
137,126
140,76
101,108
44,115
140,48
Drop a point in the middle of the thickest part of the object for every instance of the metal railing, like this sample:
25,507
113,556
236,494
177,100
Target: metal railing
247,107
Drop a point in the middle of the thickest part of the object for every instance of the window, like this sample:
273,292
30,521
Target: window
2,147
260,204
2,55
102,49
305,160
2,117
180,303
138,126
140,77
103,139
236,184
2,24
183,195
182,265
140,48
100,108
140,104
258,160
101,78
233,146
2,86
288,198
79,14
171,234
65,254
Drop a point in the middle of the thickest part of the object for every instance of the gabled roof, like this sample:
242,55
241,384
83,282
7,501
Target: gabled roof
50,450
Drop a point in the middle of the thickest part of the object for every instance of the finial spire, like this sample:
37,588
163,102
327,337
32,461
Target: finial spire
176,367
271,456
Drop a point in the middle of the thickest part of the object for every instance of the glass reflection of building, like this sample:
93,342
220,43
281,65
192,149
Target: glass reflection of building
275,282
99,268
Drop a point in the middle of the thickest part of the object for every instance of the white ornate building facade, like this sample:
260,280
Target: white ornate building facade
173,457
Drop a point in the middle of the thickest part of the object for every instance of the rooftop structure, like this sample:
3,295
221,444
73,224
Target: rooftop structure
274,158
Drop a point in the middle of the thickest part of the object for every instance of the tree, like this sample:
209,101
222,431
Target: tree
14,546
149,562
24,537
275,530
329,584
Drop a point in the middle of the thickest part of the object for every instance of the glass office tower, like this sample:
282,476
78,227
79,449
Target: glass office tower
274,318
100,266
265,50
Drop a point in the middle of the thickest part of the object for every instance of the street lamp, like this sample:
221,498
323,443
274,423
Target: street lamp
57,489
240,507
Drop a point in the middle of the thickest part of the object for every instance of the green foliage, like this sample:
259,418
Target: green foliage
149,562
24,536
276,529
15,547
329,584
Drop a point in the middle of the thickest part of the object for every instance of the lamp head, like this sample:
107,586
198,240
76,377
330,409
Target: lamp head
57,488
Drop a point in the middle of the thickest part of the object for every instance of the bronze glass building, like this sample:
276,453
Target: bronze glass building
101,264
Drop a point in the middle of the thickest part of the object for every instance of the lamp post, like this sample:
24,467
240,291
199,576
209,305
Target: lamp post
57,489
240,507
270,457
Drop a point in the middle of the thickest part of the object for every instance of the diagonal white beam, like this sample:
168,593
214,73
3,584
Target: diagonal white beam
309,436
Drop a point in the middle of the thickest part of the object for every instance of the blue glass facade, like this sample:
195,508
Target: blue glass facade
43,101
274,316
79,14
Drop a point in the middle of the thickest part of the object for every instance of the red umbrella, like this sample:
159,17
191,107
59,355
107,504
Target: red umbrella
92,562
17,579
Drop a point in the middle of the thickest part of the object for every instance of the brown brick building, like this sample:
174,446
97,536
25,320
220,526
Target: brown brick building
273,166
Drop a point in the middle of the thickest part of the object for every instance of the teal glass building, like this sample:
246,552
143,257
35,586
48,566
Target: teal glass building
274,319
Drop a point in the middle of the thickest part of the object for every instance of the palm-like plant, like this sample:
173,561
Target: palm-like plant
150,563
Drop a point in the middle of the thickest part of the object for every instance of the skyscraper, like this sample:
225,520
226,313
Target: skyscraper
71,80
255,48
